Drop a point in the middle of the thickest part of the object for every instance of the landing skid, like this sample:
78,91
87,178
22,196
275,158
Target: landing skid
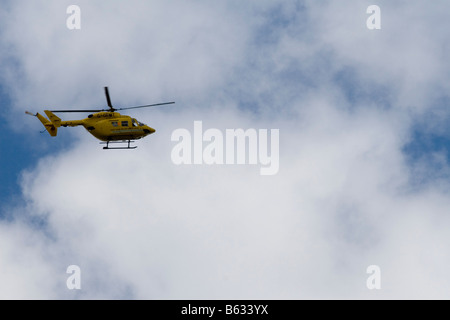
125,141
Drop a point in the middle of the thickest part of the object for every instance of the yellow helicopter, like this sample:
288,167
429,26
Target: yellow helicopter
106,125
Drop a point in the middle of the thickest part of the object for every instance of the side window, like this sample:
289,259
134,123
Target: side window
124,123
114,123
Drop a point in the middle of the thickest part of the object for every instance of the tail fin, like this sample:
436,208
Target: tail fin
51,127
54,119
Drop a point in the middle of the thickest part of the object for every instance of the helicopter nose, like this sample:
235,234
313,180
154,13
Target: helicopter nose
149,130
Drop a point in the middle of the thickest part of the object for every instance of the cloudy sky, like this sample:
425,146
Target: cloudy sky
363,150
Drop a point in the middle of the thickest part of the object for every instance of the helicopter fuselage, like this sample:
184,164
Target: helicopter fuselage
112,126
105,126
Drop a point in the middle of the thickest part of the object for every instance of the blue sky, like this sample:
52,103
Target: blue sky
364,157
21,150
17,154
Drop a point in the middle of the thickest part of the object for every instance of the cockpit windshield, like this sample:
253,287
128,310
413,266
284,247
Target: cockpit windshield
137,123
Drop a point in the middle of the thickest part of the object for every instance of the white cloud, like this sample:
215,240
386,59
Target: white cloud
25,273
141,227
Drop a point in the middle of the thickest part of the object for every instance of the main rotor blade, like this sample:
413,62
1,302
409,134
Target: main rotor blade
114,109
146,106
108,99
98,110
